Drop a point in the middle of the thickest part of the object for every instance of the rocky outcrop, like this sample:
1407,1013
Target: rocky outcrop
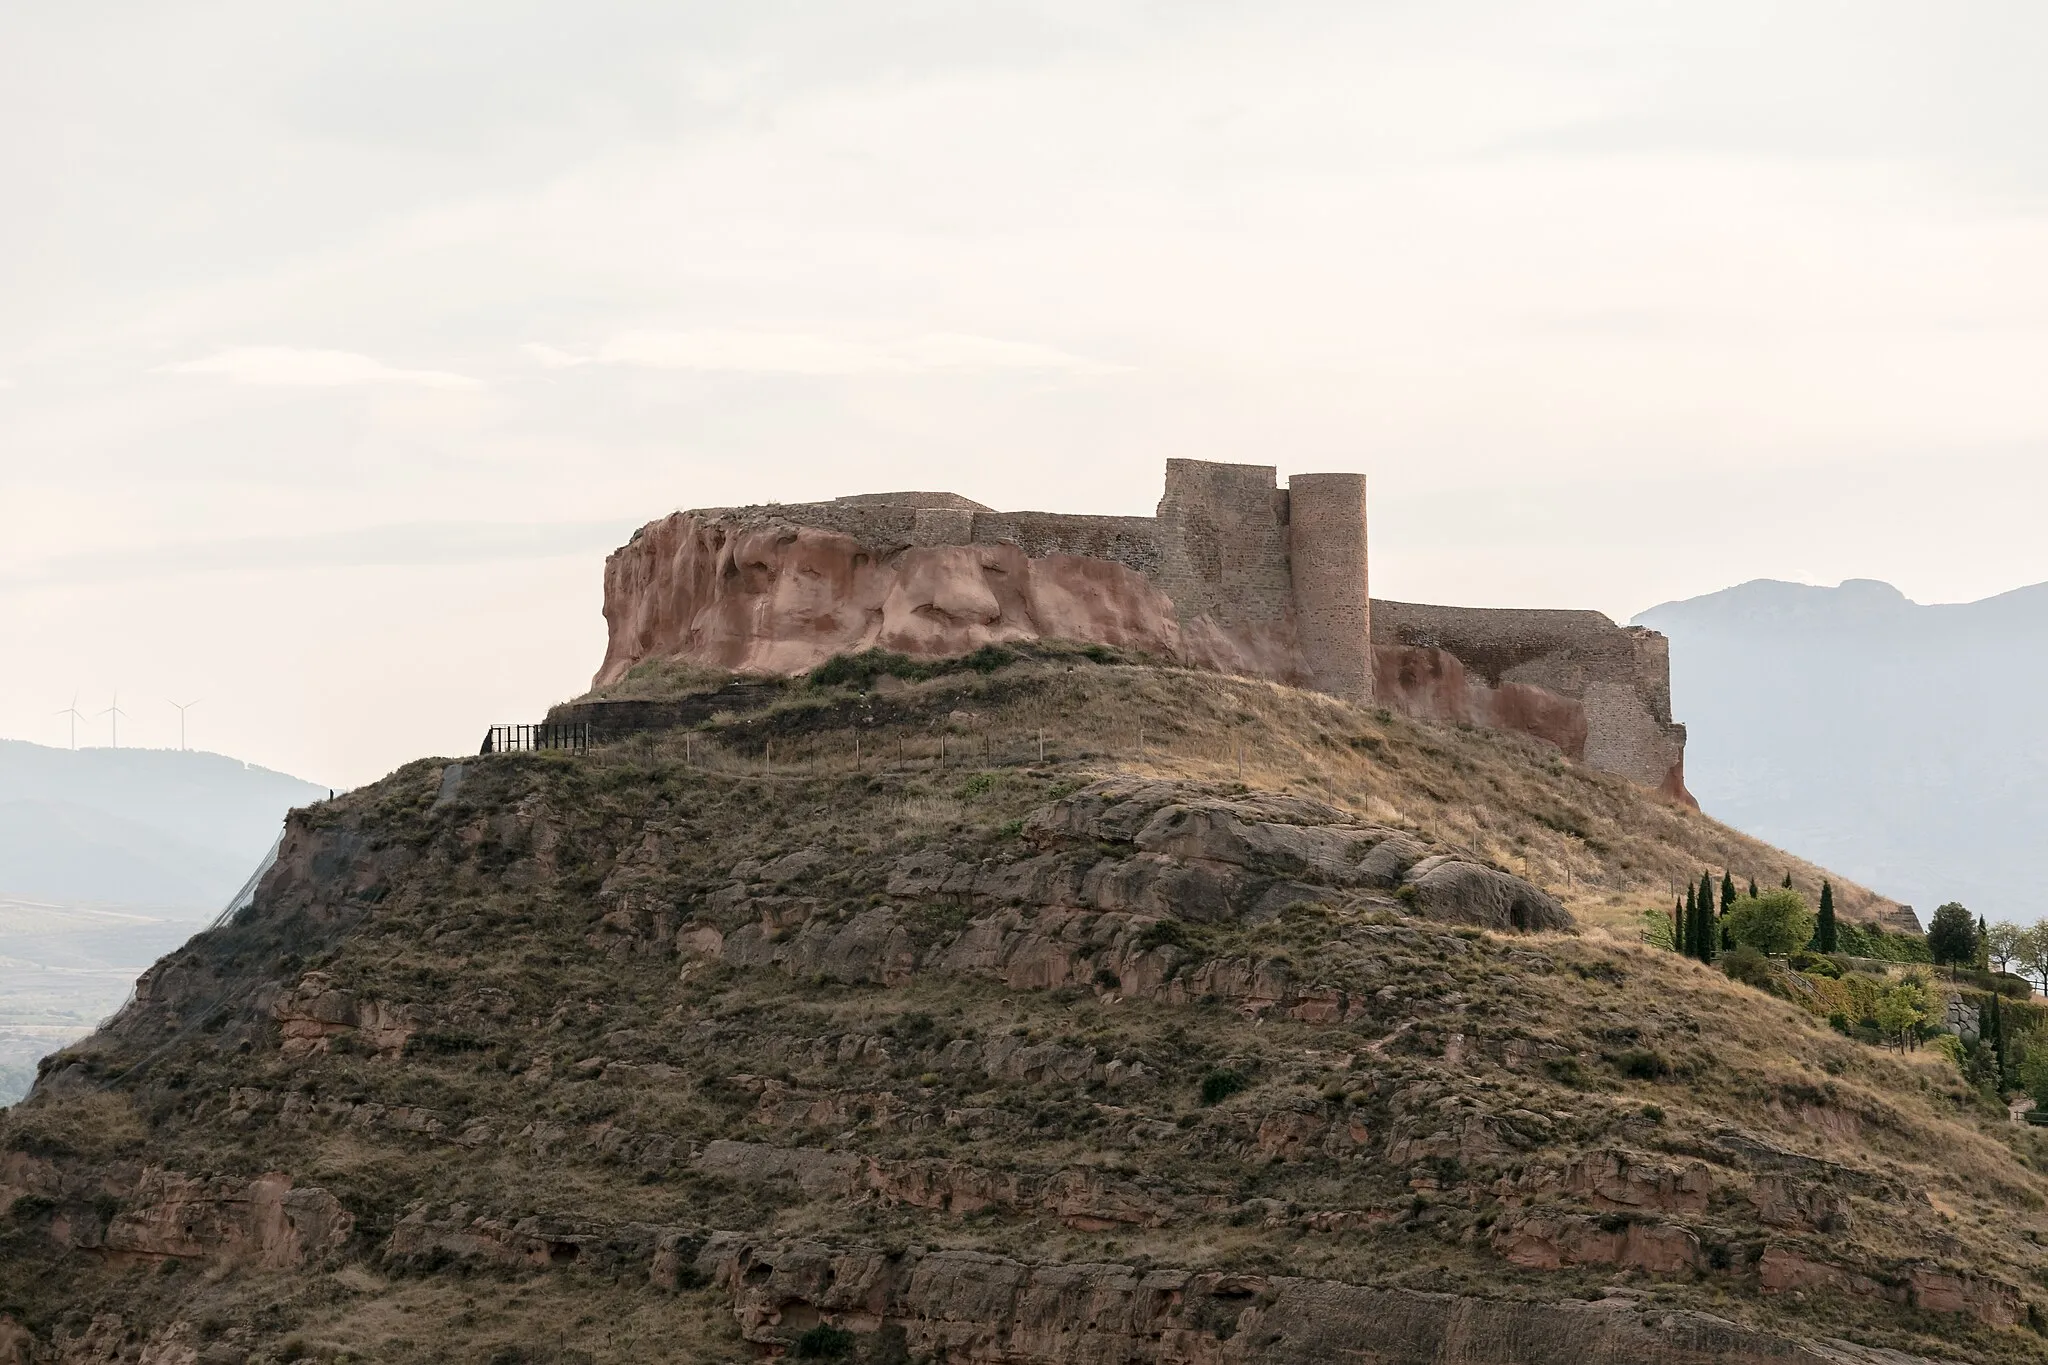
963,1306
1084,1199
263,1223
312,1015
1113,872
1233,574
782,597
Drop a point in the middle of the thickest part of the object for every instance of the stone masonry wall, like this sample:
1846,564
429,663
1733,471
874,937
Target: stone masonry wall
1222,534
1332,604
1620,675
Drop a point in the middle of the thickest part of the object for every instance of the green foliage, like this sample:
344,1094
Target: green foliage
1952,936
1814,964
1220,1085
1901,1011
1776,922
1708,940
1745,964
2003,941
823,1342
1870,940
1727,892
1825,935
1642,1064
1657,930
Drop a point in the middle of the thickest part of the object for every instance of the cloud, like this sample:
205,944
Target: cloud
292,367
764,352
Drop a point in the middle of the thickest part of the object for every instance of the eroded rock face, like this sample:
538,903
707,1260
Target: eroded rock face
963,1306
264,1222
783,598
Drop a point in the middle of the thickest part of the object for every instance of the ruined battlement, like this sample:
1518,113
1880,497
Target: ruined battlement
1233,572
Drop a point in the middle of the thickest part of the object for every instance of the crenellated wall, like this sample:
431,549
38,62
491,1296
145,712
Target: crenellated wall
1233,573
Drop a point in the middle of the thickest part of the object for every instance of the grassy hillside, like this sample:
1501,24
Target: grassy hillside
810,1029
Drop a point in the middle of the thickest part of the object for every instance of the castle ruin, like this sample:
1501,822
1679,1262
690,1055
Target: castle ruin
1234,573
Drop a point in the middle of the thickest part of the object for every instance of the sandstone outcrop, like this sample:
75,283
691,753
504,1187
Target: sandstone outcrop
1233,574
968,1306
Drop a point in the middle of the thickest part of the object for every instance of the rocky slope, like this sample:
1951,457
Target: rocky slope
850,1027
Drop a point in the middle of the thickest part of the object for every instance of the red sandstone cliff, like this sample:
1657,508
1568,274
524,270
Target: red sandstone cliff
781,590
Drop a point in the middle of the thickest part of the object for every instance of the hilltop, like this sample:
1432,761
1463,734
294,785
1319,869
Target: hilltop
1234,1023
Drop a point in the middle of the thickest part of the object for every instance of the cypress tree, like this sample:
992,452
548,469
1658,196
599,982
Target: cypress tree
1727,892
1991,1029
1752,888
1710,925
1788,881
1983,962
1828,939
1677,924
1689,930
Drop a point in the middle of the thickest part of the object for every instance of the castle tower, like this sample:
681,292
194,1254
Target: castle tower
1332,607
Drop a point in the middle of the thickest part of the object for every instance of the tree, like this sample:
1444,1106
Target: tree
1982,960
1688,928
1901,1010
2003,942
1752,888
2032,957
1727,892
1991,1032
1828,936
1788,881
1776,922
1952,936
1710,923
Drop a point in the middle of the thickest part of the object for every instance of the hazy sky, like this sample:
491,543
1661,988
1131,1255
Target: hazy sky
339,342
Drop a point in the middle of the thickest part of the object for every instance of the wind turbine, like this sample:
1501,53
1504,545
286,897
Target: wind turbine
116,713
76,716
183,707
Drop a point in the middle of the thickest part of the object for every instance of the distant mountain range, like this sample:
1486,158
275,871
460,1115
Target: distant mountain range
1905,745
110,858
148,827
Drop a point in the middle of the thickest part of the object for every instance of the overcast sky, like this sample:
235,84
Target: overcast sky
339,342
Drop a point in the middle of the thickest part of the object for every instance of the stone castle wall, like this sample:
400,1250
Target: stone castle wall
1332,601
1233,573
1619,675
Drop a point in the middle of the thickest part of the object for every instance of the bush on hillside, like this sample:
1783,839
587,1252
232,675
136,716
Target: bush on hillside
1776,922
1745,964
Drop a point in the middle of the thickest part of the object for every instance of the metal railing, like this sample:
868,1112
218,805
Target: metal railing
573,736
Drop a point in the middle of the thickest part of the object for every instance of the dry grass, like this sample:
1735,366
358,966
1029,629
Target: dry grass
1605,847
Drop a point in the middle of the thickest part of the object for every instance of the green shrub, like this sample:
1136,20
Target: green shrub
1642,1064
1816,964
1220,1085
1746,964
1776,922
824,1342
